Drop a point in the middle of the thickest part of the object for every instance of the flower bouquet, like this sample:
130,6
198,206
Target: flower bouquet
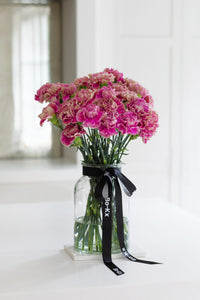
99,114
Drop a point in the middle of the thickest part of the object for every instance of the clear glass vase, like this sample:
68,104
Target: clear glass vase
88,216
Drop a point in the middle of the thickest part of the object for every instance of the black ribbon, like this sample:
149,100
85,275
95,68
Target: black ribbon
111,176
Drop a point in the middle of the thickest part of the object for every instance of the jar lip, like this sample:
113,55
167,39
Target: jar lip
101,166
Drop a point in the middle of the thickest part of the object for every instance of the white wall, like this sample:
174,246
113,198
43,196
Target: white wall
156,43
141,52
190,108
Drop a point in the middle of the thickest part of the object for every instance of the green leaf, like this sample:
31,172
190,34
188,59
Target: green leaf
134,137
82,87
104,161
60,99
54,120
71,96
103,84
140,96
77,142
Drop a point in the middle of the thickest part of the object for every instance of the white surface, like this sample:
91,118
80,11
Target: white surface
36,221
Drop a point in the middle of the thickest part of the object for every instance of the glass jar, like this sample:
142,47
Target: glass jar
88,215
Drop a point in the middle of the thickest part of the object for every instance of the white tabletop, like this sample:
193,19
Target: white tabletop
36,220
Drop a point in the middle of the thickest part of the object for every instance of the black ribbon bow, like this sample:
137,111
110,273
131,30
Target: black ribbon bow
111,176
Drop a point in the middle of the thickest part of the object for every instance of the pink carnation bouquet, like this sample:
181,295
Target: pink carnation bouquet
99,114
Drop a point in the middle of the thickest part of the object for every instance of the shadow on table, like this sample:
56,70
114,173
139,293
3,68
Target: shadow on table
48,272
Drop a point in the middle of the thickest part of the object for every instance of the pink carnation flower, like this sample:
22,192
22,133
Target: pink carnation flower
70,132
124,94
149,100
106,99
128,123
107,127
67,90
85,96
138,106
48,91
90,116
47,112
68,111
106,92
81,82
117,75
136,87
54,89
149,125
100,78
55,100
43,94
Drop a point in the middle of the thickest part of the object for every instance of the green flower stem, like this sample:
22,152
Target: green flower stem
85,148
103,156
100,150
114,150
122,148
88,229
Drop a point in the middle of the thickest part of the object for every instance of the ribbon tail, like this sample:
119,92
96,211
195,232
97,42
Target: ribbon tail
134,259
107,231
148,262
120,227
113,268
128,186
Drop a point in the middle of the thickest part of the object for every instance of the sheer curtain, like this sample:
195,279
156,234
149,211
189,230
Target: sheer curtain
29,52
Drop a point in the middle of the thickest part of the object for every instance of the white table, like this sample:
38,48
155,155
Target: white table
36,220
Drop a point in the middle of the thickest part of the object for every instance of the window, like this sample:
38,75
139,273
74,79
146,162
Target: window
29,51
